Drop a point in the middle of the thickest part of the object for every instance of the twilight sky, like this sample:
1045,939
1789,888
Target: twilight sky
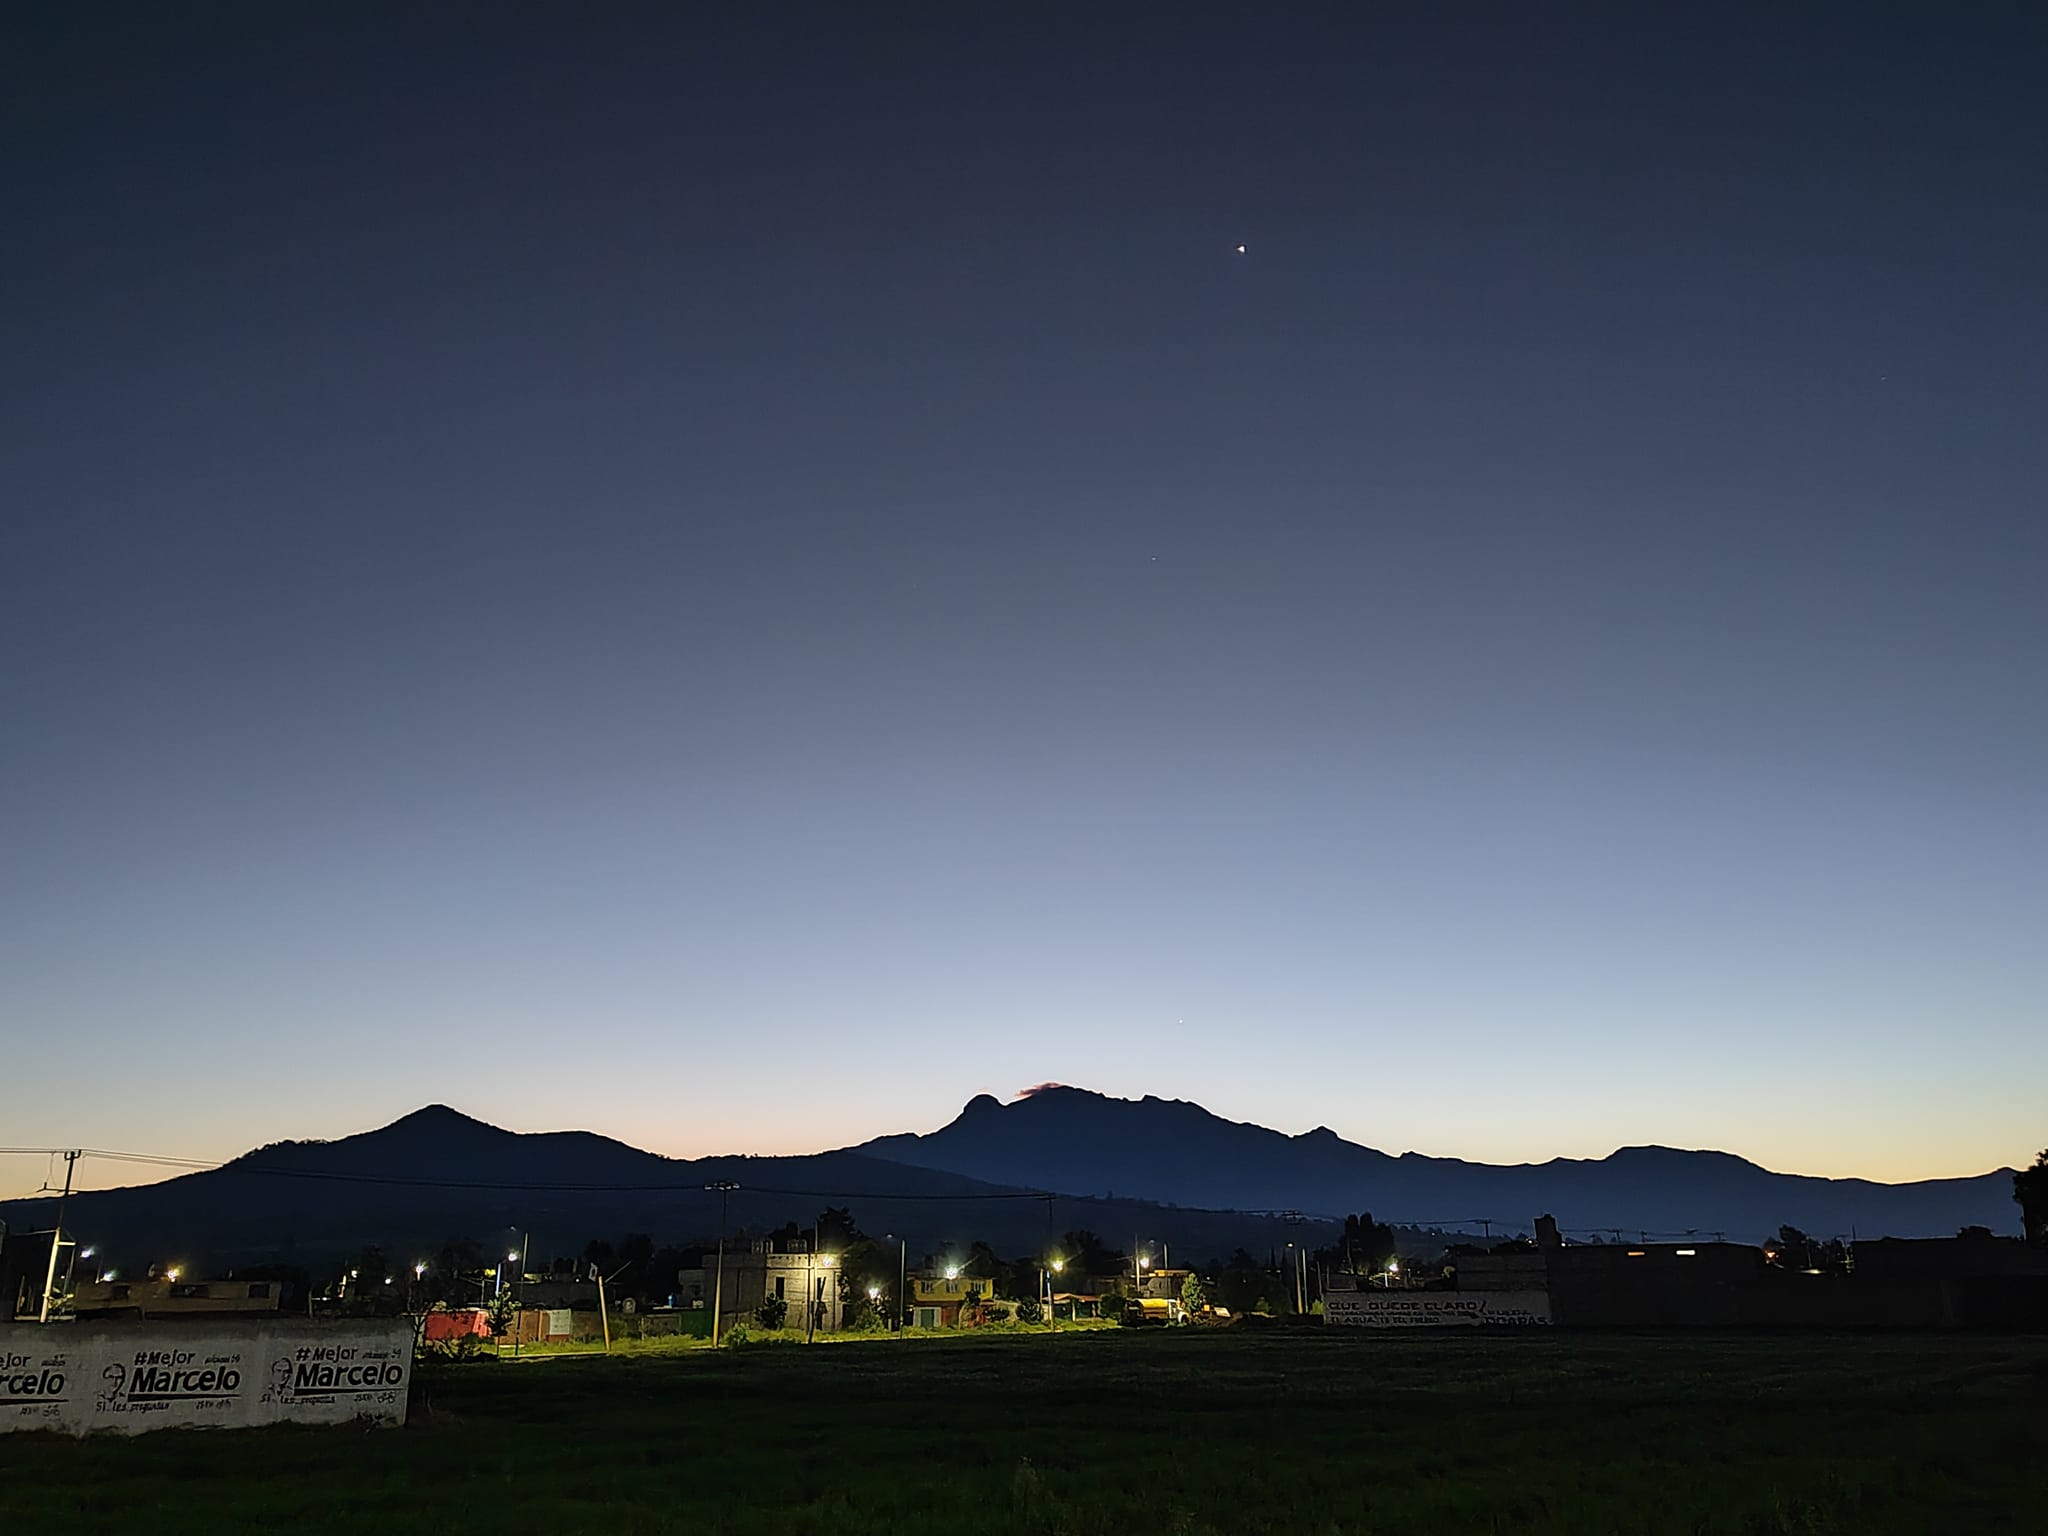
736,575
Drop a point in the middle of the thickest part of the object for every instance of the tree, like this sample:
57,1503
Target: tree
2030,1190
1194,1293
982,1263
772,1313
1088,1254
1243,1285
1368,1244
1793,1249
837,1230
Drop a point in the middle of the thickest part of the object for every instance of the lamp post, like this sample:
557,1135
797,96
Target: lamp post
1057,1266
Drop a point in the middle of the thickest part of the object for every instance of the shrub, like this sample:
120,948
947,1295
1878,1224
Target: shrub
772,1313
1029,1311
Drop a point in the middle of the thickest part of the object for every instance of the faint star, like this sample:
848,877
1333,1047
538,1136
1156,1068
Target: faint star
1240,250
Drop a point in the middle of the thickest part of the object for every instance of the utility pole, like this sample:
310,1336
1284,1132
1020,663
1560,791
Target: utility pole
1293,1220
57,1235
724,1188
902,1278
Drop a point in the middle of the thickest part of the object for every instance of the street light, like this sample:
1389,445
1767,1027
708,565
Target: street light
952,1271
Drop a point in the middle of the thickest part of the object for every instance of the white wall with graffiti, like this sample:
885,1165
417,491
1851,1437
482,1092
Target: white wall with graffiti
126,1378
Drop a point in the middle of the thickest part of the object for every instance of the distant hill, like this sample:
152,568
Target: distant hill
1164,1149
438,1175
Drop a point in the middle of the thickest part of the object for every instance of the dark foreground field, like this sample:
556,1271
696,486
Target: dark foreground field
1146,1432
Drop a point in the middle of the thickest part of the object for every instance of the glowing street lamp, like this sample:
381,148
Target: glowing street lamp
952,1271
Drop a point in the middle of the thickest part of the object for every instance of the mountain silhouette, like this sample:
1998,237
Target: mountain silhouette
1079,1142
438,1175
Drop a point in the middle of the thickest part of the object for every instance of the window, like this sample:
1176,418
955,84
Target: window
780,1281
260,1291
188,1293
117,1293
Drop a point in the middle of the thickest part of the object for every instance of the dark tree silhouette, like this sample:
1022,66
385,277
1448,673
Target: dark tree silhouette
2030,1189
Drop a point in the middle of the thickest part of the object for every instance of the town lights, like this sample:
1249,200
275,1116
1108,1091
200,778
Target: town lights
952,1271
172,1274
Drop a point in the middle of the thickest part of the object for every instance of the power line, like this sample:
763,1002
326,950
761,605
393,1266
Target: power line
533,1186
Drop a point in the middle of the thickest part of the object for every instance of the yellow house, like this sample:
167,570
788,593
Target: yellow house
936,1300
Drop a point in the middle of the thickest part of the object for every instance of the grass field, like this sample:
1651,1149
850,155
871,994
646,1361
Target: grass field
1179,1431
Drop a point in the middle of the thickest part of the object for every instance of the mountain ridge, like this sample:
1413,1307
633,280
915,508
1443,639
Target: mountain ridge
1178,1152
437,1175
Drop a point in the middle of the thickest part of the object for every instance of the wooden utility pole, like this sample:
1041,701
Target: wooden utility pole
57,1235
724,1188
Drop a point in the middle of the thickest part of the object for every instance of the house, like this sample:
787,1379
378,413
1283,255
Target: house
781,1266
940,1300
165,1296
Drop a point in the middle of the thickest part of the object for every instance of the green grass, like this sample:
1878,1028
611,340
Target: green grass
1174,1431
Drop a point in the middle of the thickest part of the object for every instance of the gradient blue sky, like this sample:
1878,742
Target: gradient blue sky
738,575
